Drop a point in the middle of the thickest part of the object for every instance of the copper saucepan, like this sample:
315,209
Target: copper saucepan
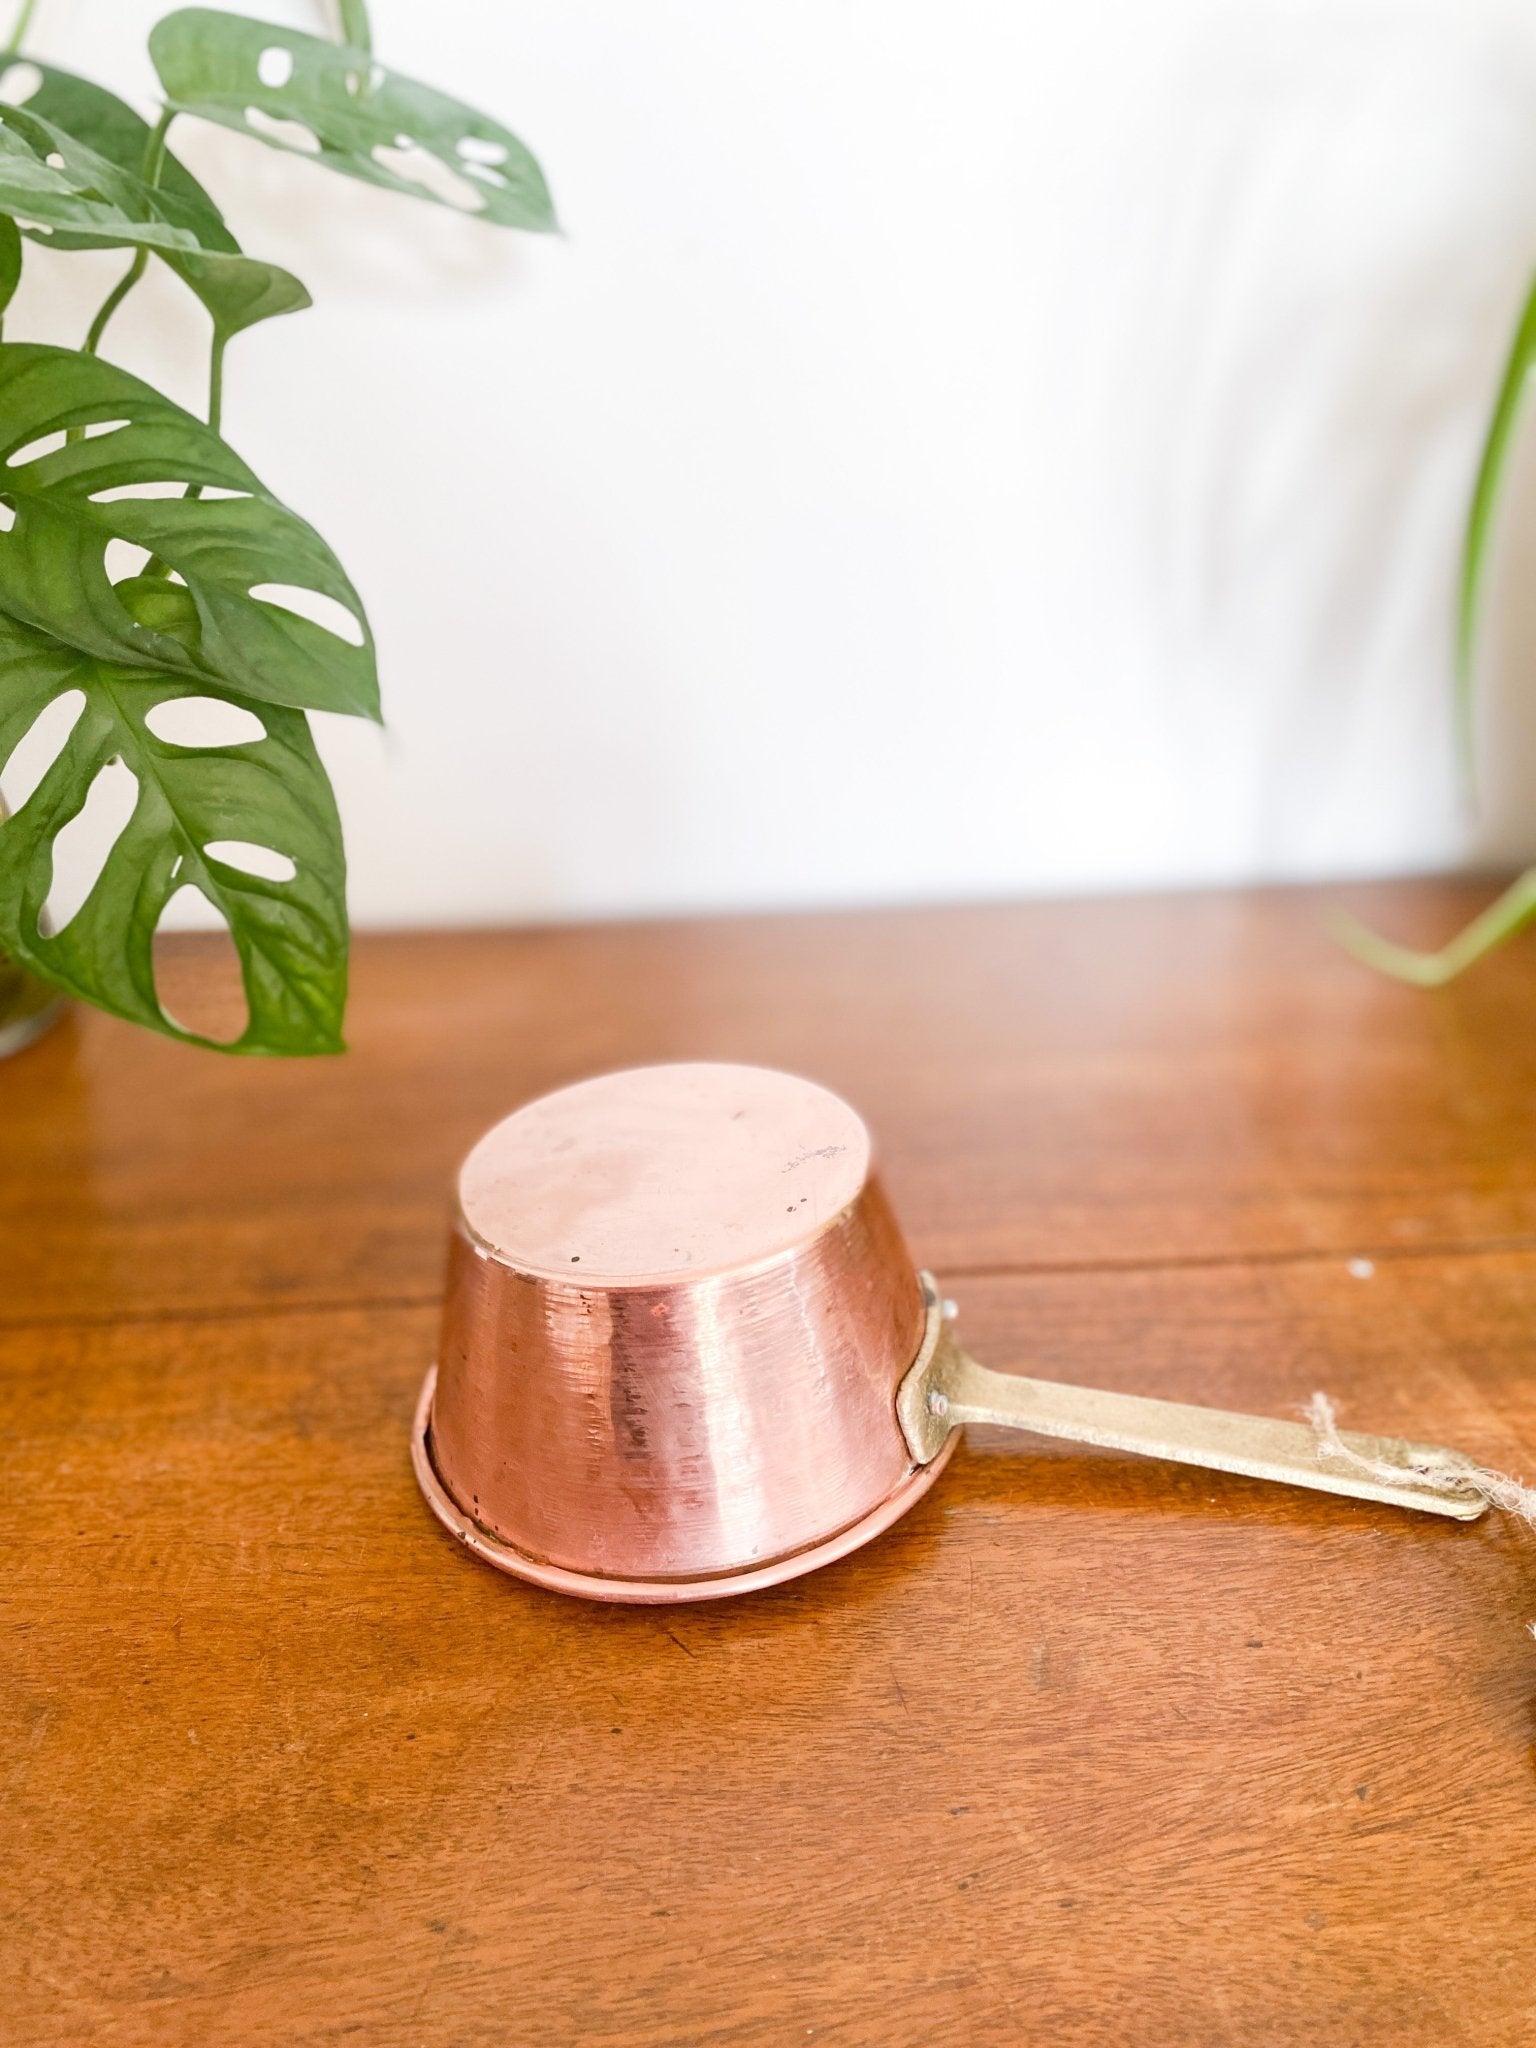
685,1352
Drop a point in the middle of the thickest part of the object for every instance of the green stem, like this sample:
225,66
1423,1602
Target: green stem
149,171
1486,495
354,24
114,299
154,147
154,566
216,379
23,23
1507,915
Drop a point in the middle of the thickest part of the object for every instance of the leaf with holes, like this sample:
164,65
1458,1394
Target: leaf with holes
332,102
109,126
272,793
237,289
65,507
58,187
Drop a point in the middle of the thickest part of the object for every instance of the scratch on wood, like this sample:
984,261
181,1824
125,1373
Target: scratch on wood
900,1693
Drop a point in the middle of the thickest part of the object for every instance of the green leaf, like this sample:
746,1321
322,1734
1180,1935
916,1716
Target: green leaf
52,183
10,260
1485,500
291,936
53,571
111,128
237,290
347,112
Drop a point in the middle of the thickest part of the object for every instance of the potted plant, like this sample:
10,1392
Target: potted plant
215,602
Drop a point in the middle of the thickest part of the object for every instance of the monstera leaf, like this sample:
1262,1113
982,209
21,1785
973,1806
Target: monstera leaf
65,506
269,794
102,122
236,289
334,103
49,181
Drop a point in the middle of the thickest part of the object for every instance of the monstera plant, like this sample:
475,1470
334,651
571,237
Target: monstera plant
228,595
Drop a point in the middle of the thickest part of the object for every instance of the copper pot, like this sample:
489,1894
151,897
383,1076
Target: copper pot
685,1351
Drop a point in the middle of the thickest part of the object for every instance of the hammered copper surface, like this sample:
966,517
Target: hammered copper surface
678,1309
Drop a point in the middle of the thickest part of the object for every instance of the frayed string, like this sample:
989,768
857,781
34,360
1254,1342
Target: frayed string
1441,1474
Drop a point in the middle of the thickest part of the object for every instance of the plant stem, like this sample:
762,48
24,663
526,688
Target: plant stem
154,147
23,23
154,566
154,157
1508,914
114,299
354,24
216,379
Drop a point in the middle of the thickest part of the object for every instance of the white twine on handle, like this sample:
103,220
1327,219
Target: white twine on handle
1440,1474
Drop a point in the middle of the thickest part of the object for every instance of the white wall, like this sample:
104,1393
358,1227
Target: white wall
959,449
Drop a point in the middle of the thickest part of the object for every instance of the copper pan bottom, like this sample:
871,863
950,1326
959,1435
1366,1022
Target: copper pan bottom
653,1592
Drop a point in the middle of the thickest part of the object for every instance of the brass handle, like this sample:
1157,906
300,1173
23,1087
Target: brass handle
946,1387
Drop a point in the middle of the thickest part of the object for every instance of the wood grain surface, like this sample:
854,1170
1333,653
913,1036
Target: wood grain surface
1086,1751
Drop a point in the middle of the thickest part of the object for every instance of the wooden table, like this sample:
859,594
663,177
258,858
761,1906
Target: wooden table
1086,1751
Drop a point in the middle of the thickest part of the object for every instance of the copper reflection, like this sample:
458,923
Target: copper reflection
678,1309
